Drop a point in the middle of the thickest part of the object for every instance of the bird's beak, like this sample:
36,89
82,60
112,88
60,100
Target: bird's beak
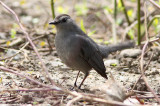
53,22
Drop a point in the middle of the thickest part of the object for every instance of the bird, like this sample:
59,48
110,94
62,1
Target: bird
78,51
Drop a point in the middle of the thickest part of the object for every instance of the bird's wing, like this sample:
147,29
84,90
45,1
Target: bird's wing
90,53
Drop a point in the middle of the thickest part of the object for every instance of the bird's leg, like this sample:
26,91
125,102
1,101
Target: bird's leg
75,83
86,74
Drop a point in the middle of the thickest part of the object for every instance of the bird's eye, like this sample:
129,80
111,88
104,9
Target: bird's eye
64,19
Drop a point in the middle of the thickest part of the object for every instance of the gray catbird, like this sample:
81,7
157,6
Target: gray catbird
79,51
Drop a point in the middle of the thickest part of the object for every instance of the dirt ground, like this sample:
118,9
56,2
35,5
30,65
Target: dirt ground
34,15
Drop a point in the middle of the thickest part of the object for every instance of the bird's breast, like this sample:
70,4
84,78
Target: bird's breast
66,49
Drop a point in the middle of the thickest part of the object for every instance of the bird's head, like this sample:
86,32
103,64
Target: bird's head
62,20
64,23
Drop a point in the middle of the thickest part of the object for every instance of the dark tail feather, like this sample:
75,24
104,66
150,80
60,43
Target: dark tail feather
106,50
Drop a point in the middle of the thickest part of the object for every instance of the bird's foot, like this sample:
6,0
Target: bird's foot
74,87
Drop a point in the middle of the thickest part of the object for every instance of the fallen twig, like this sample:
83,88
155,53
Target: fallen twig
145,97
74,100
155,4
27,90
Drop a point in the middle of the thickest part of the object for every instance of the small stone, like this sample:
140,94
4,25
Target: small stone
8,77
40,100
69,97
2,63
156,49
125,69
2,35
158,90
130,53
111,62
26,98
158,60
12,52
56,63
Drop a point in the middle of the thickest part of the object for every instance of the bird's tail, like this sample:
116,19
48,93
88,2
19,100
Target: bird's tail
106,50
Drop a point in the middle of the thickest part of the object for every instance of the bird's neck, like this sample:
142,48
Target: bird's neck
72,29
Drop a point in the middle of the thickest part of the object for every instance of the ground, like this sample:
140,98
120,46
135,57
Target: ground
125,70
